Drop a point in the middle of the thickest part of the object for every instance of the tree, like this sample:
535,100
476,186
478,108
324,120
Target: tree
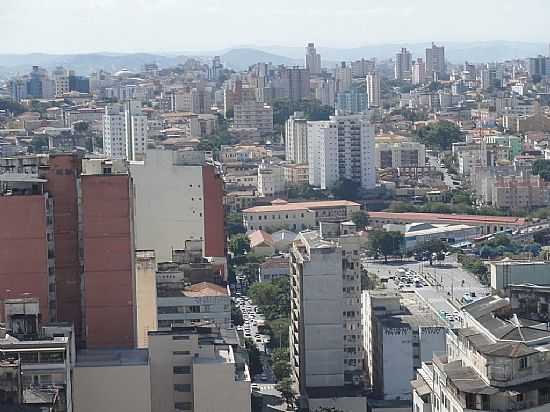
239,244
273,298
346,189
541,167
39,144
278,330
81,127
236,315
360,218
385,243
281,370
280,355
430,247
440,135
254,358
285,388
234,224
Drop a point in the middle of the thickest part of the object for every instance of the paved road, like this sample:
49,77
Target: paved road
433,161
444,286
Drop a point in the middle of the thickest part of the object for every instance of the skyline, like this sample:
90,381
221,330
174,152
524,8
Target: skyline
100,25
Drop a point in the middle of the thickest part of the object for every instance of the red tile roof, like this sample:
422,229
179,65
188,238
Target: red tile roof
448,218
301,206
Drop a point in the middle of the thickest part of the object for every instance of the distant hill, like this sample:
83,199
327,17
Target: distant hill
241,59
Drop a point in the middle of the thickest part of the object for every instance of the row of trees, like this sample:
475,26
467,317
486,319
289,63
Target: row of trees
440,135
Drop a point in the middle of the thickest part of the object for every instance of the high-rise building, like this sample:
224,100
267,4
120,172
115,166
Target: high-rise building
313,59
296,138
108,254
403,65
373,89
124,131
419,72
341,148
294,83
435,61
538,66
343,77
488,78
360,68
352,102
325,91
188,203
254,115
326,332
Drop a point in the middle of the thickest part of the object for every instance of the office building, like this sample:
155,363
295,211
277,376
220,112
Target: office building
403,65
313,59
294,83
124,131
324,90
297,216
497,361
419,72
179,197
435,62
254,115
326,331
373,89
399,333
343,77
538,66
108,254
296,138
198,369
352,102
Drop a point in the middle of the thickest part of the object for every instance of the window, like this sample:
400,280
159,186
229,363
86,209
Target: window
182,370
182,352
182,406
180,337
182,387
523,363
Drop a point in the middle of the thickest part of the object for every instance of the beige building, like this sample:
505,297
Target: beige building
326,331
196,369
297,216
112,380
496,362
252,114
296,175
146,295
397,153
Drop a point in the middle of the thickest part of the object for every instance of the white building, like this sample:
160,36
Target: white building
399,154
343,78
313,59
271,179
373,89
251,114
322,153
325,333
201,302
419,72
124,131
296,138
399,333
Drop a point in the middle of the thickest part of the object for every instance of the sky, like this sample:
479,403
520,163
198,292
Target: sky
78,26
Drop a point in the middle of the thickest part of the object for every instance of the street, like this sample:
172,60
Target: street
448,180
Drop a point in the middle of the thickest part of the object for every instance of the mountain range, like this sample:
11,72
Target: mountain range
242,57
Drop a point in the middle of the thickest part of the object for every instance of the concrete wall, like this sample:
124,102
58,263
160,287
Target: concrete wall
397,362
215,389
123,388
146,299
169,207
214,229
24,249
107,235
503,275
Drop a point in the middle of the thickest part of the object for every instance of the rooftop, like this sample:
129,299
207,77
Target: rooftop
204,289
449,218
112,357
281,207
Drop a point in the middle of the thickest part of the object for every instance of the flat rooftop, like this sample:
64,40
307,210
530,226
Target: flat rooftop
448,218
111,357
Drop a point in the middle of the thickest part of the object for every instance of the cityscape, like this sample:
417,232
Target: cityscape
318,226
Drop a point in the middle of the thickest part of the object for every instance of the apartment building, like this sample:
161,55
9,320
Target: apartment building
194,304
178,197
373,89
296,175
398,154
419,72
326,331
124,131
271,179
313,59
341,148
296,138
435,61
108,254
498,361
35,360
352,102
251,114
198,369
298,215
399,333
403,65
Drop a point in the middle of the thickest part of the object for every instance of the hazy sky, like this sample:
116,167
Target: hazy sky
72,26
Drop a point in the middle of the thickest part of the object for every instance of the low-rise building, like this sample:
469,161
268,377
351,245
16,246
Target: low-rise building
198,303
261,243
273,268
270,179
508,272
397,153
297,216
198,368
